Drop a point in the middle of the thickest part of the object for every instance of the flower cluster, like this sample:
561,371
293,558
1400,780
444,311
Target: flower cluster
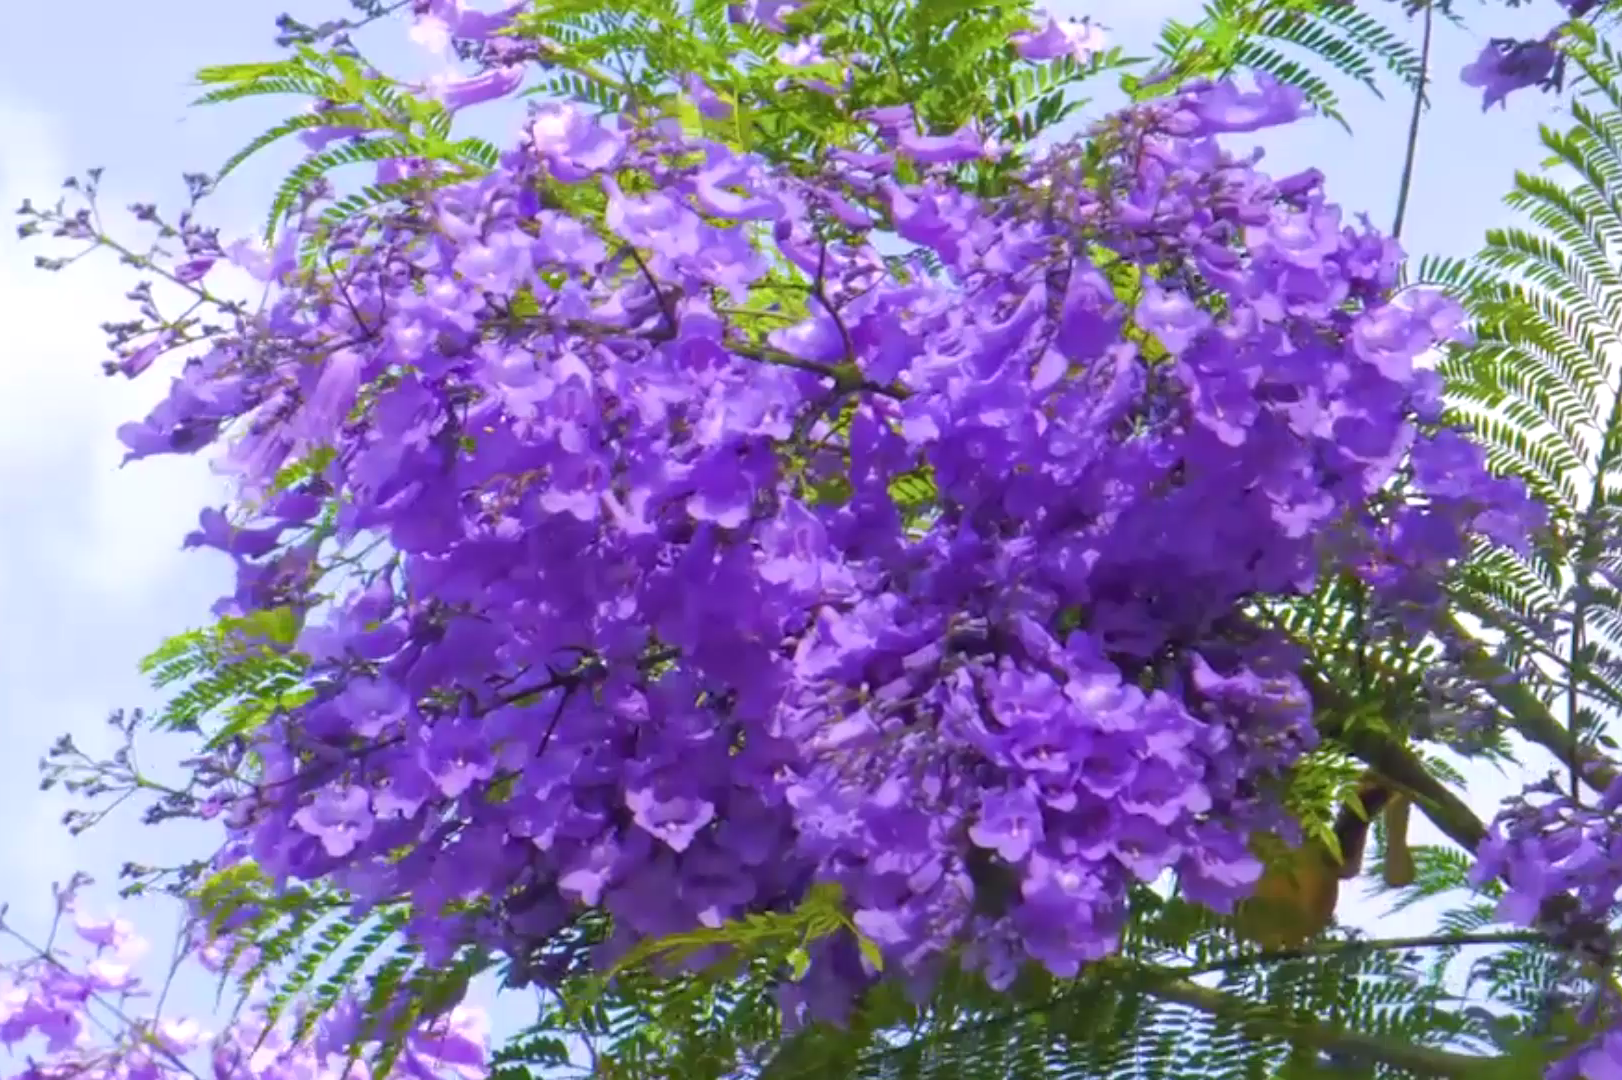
74,1014
730,555
1561,862
1506,65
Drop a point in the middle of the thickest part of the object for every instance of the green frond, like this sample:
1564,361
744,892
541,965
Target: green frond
1373,38
1552,468
317,166
1329,624
215,74
290,126
572,86
1299,42
1310,33
373,197
1529,344
914,492
178,658
305,981
1453,275
309,86
310,949
236,674
1598,65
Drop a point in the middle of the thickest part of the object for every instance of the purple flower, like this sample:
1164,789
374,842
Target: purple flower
1078,38
725,494
573,145
319,138
1442,316
401,788
713,192
111,933
500,262
709,103
216,531
489,85
1306,239
1448,464
137,362
794,549
674,819
459,1042
1218,870
193,270
262,265
341,818
806,52
372,706
439,22
334,392
1224,107
714,885
768,13
1010,824
964,144
817,339
457,757
1390,338
1505,66
1171,317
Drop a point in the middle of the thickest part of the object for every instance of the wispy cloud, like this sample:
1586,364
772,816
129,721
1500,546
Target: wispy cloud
91,571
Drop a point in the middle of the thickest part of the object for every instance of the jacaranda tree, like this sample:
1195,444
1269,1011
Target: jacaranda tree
829,567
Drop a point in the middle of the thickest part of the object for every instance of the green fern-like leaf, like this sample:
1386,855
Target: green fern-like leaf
1302,43
1539,388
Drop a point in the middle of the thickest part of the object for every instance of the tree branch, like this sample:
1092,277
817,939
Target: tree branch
1260,1021
1530,716
1364,945
1397,764
1450,814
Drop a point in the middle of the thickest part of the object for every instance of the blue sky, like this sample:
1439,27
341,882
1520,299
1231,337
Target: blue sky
91,571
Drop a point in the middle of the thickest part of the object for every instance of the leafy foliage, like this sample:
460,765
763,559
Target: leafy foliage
950,61
1183,1000
236,675
1540,387
1304,43
404,126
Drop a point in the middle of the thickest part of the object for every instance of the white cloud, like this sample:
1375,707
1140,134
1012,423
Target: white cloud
92,574
115,531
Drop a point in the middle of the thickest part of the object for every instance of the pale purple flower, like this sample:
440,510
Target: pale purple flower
341,818
460,93
1505,66
572,144
1078,38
